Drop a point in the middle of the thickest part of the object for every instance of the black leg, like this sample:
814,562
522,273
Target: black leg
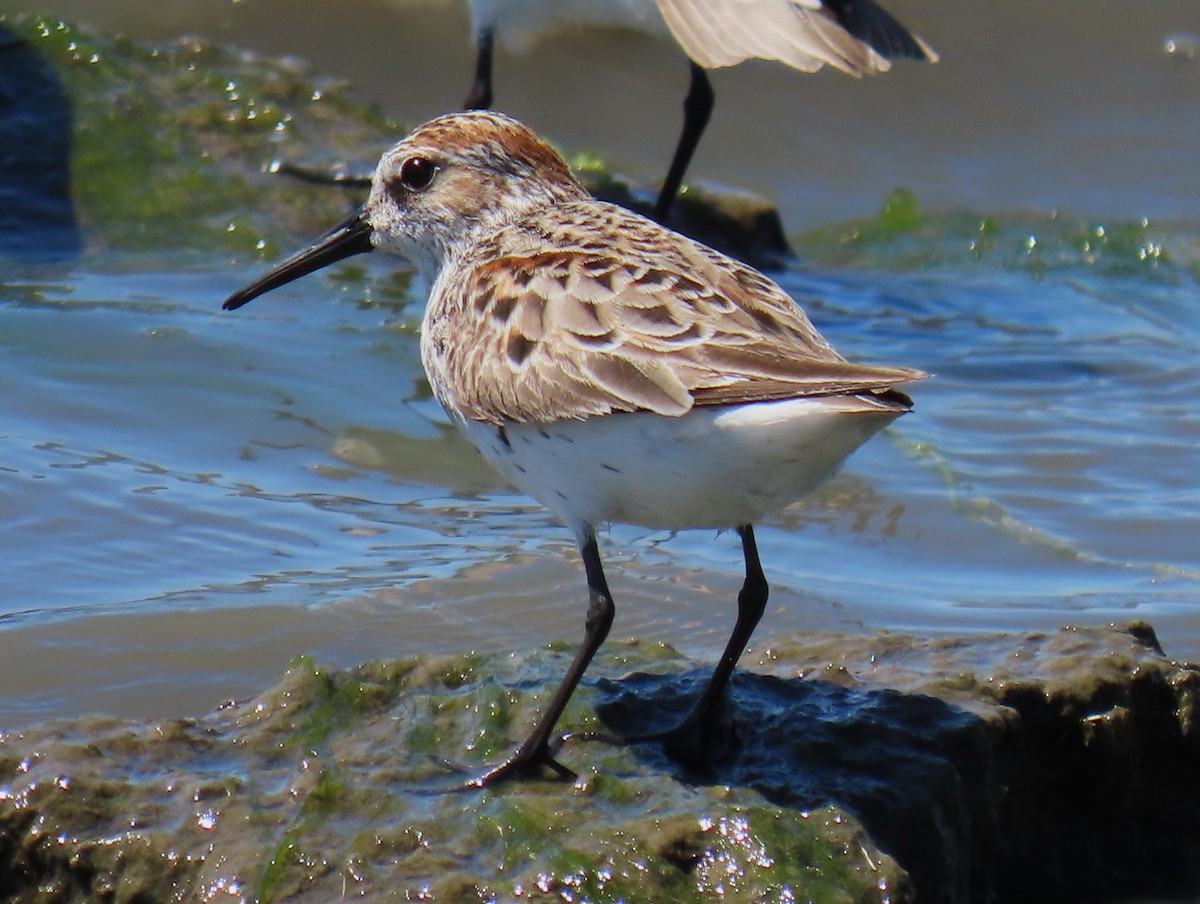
752,603
697,107
480,96
534,753
690,742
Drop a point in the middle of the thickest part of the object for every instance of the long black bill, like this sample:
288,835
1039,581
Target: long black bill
350,237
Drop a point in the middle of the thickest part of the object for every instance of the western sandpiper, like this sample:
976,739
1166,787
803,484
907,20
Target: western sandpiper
857,36
610,368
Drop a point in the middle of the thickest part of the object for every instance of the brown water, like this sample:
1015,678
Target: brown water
189,499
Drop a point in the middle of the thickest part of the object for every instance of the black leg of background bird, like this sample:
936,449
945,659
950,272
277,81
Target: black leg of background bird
480,96
697,108
534,753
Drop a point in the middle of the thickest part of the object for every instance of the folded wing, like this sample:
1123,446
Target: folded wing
561,329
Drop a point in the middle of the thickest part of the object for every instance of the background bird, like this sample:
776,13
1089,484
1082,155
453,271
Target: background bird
858,37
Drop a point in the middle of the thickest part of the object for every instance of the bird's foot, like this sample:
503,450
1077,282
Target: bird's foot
695,743
530,761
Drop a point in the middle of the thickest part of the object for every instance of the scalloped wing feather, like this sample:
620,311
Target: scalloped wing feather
551,326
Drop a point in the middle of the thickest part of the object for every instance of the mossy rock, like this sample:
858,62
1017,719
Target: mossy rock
853,768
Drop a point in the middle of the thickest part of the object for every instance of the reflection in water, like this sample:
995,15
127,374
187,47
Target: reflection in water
37,218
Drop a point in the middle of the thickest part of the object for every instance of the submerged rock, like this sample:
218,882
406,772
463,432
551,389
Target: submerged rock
37,216
1057,766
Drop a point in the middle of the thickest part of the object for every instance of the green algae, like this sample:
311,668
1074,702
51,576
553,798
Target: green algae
187,147
904,236
278,878
173,145
332,781
901,213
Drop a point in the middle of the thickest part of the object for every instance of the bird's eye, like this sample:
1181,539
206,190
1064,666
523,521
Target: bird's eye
417,172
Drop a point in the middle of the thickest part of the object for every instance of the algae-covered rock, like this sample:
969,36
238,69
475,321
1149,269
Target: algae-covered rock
1057,766
904,236
172,145
333,784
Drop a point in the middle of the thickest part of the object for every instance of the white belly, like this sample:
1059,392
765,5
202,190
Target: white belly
713,468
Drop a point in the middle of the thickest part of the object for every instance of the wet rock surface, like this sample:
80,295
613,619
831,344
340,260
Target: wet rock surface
1051,766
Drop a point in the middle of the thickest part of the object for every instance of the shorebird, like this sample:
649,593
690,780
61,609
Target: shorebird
857,36
612,369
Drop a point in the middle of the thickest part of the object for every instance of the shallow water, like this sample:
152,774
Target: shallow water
188,498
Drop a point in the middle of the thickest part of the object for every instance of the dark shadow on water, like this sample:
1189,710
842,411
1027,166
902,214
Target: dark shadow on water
37,216
973,810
